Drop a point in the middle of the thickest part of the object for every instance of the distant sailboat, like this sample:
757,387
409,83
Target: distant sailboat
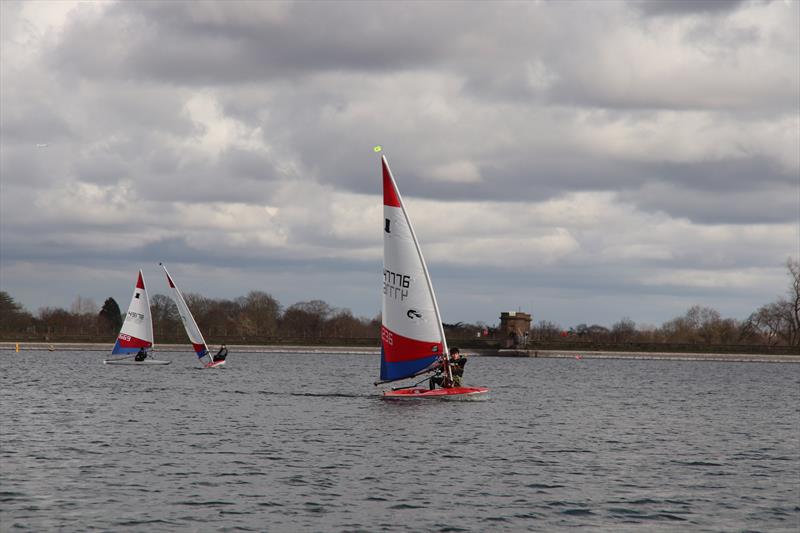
412,336
135,339
192,330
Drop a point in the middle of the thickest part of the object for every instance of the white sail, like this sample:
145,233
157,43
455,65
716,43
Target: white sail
137,329
412,336
192,330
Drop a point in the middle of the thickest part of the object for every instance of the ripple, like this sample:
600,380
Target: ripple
208,503
695,463
578,512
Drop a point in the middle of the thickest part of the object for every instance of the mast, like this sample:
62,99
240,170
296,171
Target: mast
424,269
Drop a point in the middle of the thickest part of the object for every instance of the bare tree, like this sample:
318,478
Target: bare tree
545,330
793,265
700,324
624,330
84,306
260,312
306,319
166,319
773,322
780,320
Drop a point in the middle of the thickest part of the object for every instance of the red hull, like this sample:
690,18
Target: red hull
214,364
454,393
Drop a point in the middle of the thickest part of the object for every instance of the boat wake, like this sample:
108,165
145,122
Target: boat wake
318,394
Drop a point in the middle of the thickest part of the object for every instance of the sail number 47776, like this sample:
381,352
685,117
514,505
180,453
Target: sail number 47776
396,285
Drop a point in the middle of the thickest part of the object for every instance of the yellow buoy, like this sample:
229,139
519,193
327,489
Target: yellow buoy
17,347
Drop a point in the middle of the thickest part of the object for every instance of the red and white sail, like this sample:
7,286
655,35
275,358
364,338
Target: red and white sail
137,328
192,330
412,336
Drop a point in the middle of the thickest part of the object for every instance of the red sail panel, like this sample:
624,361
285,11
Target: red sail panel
390,196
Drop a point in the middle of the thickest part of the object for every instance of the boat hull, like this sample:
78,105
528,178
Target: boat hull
453,393
214,364
131,362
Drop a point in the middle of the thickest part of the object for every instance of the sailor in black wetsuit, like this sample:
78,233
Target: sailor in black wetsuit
141,356
457,364
456,368
221,354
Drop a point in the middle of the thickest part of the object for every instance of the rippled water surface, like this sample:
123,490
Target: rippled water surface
304,443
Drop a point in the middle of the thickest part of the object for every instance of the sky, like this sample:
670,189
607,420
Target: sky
582,161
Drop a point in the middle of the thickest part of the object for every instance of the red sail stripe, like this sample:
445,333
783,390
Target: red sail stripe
126,341
390,196
140,281
397,348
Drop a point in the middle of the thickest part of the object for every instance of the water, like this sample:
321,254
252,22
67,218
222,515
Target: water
303,443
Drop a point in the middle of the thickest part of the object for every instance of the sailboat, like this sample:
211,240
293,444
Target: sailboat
412,336
137,331
192,330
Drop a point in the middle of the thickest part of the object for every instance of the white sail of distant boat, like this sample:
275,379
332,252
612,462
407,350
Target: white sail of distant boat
192,329
412,335
135,339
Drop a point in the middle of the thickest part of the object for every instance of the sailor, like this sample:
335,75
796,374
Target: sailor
141,356
456,369
221,354
457,364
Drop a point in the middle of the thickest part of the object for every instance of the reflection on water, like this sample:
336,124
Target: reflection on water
304,442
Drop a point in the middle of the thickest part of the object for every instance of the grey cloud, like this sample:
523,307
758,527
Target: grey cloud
773,205
215,252
745,174
32,124
235,177
174,41
248,164
224,44
102,166
31,166
687,7
732,191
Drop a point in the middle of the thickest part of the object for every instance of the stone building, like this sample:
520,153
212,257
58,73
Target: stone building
515,327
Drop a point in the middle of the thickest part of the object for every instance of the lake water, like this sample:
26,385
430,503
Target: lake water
304,443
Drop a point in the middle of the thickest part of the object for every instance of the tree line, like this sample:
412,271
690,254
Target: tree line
256,316
259,318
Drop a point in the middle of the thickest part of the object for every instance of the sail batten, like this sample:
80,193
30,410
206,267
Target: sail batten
412,336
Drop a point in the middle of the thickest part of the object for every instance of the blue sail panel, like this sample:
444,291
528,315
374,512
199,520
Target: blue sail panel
391,370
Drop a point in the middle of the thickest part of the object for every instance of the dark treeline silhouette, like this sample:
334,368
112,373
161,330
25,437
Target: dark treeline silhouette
259,318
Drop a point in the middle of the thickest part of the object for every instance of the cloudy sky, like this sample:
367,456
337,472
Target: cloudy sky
586,161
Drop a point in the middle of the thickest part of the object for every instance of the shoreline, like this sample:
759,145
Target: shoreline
375,351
